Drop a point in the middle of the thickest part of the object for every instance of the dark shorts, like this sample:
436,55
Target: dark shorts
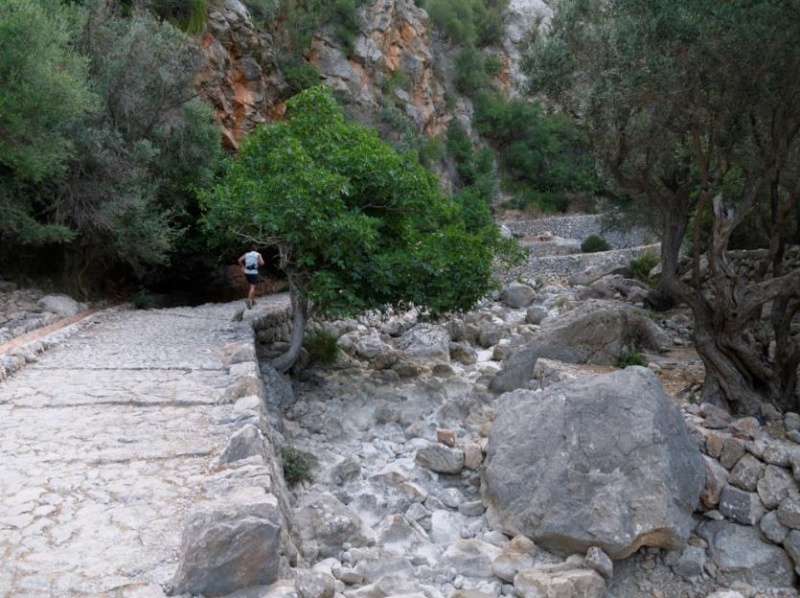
251,278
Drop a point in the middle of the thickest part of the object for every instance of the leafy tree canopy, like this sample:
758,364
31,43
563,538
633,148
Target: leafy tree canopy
358,225
45,92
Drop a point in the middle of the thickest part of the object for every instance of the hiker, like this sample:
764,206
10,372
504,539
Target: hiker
250,263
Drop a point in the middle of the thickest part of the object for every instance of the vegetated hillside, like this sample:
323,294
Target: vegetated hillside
99,180
415,75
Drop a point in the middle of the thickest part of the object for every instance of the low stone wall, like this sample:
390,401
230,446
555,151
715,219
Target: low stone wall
565,266
580,227
274,326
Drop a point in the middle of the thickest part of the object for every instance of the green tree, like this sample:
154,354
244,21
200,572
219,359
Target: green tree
129,193
546,153
45,93
357,225
694,109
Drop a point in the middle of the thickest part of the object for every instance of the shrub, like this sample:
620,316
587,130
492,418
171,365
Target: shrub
263,11
643,264
188,15
594,243
471,74
143,300
322,346
630,356
299,74
297,464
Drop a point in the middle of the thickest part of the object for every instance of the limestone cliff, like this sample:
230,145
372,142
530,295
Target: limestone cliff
397,66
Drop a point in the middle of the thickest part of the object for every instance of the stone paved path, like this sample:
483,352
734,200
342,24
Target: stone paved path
103,441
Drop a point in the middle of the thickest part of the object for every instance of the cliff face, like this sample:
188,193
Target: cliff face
397,65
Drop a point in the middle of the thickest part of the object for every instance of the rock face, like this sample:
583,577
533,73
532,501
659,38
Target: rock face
393,71
601,462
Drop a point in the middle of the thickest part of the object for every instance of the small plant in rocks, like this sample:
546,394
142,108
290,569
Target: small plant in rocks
297,464
594,243
630,356
643,264
143,300
322,346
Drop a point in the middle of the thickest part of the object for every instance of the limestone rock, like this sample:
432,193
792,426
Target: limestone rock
440,458
517,371
61,305
245,442
545,580
517,295
324,524
596,332
604,461
739,553
229,545
426,342
315,584
471,557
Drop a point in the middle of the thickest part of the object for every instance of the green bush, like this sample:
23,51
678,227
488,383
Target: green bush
263,11
187,15
472,75
297,464
630,356
299,74
594,243
469,22
541,152
643,264
322,346
143,300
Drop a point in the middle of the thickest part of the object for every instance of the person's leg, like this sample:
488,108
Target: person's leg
252,281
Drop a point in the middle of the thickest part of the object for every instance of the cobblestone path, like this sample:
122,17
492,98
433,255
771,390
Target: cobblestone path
102,442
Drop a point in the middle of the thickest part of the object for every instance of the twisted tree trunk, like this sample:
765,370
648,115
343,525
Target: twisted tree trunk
300,315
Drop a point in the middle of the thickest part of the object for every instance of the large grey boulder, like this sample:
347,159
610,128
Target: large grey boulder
596,332
229,545
601,461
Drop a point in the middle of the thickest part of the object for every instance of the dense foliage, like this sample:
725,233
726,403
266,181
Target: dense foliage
102,141
693,108
45,94
358,225
470,23
545,156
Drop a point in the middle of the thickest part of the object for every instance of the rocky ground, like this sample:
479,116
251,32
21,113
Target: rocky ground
365,421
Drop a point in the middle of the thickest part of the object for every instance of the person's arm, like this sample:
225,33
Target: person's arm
260,260
241,261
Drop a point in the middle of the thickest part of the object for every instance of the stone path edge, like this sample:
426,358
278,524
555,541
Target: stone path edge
25,349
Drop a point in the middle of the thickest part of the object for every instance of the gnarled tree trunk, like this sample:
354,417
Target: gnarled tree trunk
300,315
749,359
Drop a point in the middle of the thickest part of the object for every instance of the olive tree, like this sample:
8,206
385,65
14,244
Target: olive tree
357,225
44,93
693,108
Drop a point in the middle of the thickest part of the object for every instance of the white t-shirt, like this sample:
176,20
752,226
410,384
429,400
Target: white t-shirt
251,262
